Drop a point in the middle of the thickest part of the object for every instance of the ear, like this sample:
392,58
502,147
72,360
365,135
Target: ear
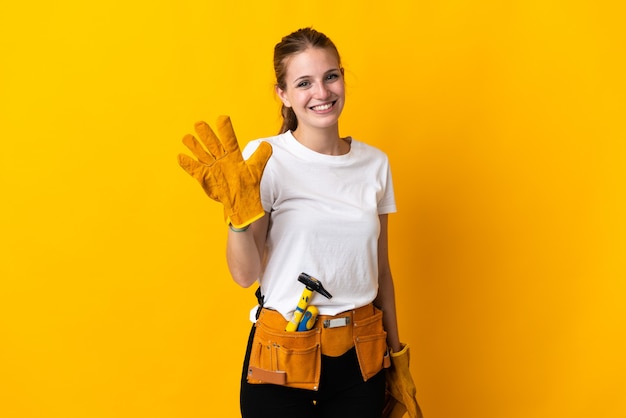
283,96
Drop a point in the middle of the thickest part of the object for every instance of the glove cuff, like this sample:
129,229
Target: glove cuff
403,351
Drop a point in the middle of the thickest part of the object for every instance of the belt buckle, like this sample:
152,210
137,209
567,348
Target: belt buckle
336,322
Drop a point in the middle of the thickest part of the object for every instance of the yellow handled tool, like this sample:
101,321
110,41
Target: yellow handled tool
308,319
311,285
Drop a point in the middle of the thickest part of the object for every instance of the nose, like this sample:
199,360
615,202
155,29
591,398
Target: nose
321,91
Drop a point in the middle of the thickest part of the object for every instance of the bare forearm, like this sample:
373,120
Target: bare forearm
386,299
386,302
244,252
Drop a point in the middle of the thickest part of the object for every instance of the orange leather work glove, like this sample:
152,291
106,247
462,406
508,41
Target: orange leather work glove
400,387
223,173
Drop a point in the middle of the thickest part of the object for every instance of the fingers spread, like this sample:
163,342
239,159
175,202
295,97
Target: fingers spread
190,165
209,139
201,173
196,148
259,158
227,134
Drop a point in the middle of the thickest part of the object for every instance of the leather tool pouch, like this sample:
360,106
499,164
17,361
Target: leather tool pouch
370,340
294,358
285,358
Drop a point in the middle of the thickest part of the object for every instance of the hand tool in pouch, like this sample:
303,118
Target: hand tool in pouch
308,319
311,285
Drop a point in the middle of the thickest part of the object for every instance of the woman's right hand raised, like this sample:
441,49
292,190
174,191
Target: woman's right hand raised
223,173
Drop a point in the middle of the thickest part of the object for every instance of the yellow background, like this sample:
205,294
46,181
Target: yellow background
504,123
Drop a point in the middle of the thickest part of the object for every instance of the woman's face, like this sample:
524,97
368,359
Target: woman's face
314,88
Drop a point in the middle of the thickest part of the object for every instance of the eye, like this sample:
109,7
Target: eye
332,76
303,84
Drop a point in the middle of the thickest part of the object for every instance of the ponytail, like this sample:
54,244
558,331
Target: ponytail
290,121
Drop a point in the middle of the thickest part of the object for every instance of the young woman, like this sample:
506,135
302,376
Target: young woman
322,203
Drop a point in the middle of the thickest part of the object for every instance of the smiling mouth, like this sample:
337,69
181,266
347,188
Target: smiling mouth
323,107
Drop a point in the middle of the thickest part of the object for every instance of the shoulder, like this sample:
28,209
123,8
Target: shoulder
276,141
364,150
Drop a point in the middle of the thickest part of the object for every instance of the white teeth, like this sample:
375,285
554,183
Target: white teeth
323,107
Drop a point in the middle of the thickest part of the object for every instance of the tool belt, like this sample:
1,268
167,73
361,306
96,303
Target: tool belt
294,358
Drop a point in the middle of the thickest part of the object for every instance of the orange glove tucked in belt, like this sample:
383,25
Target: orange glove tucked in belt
223,173
400,387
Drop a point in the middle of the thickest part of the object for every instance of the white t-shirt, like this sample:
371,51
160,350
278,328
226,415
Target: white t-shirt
324,222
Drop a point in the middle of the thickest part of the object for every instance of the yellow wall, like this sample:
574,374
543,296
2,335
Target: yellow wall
504,122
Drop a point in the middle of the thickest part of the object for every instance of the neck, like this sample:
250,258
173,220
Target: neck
324,141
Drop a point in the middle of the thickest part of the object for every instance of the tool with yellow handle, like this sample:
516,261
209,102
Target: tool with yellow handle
311,285
308,319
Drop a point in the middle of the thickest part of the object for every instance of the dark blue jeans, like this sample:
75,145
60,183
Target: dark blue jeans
342,393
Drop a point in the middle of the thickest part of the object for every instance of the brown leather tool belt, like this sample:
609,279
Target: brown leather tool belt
294,358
